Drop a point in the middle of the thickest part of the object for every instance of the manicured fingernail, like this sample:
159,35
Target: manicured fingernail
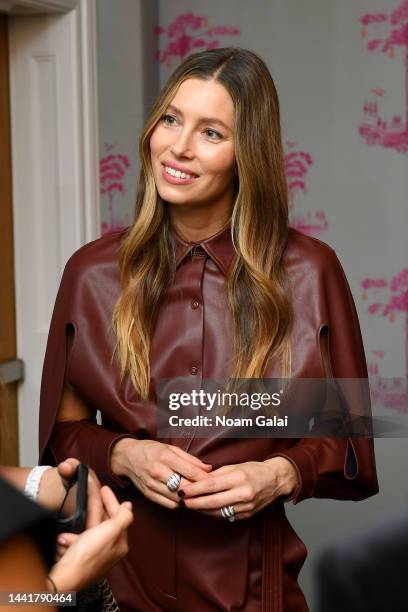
181,493
182,503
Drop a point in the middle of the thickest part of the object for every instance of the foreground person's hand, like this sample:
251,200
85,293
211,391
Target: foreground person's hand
88,557
149,464
55,483
95,509
248,487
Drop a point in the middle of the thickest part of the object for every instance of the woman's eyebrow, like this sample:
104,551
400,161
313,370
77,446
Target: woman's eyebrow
202,119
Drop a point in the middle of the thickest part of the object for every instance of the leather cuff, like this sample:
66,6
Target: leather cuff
89,442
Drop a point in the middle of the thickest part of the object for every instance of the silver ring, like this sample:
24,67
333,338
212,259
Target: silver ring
228,512
173,482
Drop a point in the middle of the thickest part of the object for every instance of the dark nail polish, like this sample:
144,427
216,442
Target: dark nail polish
181,493
182,503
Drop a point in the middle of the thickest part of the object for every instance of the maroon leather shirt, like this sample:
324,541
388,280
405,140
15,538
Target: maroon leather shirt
183,560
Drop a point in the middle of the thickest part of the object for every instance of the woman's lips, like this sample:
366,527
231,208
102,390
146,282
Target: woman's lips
174,180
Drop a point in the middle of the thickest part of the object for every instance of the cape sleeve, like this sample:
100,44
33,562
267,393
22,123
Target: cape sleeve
334,467
85,439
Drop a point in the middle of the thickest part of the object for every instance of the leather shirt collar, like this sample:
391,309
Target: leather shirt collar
219,247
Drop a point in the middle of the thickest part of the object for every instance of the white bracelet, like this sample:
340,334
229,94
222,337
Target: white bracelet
32,485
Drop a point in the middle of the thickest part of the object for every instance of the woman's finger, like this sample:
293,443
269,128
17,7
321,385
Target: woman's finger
160,487
66,468
194,460
73,462
95,509
59,552
155,490
123,517
212,502
120,514
109,500
67,539
240,511
213,483
185,468
159,473
225,469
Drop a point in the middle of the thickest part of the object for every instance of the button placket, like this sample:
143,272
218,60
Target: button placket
198,264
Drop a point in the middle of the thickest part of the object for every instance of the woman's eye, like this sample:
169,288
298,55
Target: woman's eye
171,120
217,134
166,117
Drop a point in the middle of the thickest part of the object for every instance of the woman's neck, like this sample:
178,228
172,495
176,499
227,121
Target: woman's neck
192,226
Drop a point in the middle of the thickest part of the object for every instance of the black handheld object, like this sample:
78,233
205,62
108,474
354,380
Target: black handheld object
77,521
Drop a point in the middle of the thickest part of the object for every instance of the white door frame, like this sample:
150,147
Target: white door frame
55,172
25,7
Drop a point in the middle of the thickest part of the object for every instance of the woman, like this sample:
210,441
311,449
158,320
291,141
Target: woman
209,282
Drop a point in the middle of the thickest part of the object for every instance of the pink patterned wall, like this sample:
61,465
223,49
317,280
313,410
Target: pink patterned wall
387,32
297,166
113,169
189,33
389,299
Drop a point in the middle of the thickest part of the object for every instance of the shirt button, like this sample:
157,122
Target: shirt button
195,304
194,370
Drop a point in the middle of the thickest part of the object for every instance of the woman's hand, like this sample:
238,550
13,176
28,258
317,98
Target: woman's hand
149,464
248,487
86,558
55,483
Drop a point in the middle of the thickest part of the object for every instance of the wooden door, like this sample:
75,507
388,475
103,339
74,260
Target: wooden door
8,367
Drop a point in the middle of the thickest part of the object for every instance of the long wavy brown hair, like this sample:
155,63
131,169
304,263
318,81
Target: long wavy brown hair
256,284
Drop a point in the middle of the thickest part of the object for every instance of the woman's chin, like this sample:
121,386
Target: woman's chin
170,197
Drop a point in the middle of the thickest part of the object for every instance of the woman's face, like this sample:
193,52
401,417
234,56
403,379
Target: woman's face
196,135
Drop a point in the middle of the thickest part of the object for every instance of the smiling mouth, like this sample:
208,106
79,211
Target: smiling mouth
177,174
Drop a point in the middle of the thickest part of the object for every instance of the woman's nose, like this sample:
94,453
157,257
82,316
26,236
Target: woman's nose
182,145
